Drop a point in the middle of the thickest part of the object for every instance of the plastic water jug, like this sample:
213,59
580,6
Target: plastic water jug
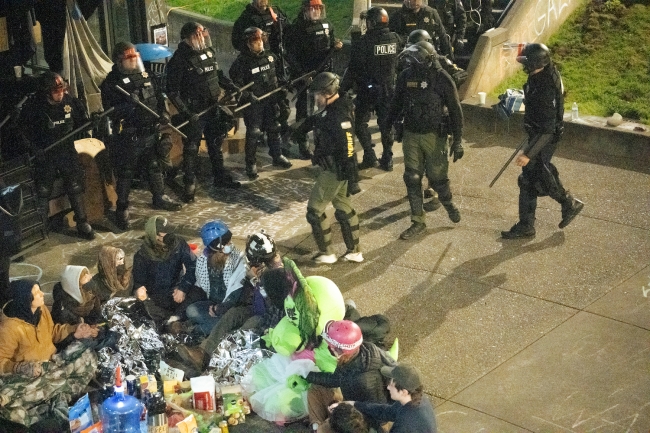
121,412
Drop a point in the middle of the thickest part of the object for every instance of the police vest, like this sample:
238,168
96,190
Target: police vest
318,36
60,118
382,61
265,23
203,79
262,71
140,84
424,20
424,106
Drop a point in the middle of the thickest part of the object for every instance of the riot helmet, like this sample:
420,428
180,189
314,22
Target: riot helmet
313,10
343,337
255,39
260,5
324,88
260,248
376,18
127,59
196,36
534,57
418,35
421,54
53,86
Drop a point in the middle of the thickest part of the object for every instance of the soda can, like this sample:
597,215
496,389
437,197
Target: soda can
131,385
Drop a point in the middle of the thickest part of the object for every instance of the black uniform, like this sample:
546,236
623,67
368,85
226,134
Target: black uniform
543,121
261,117
421,94
309,43
42,124
334,153
194,83
452,14
274,22
136,142
405,20
373,61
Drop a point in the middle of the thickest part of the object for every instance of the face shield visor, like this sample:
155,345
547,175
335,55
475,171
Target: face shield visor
130,62
57,90
256,41
261,5
200,39
315,12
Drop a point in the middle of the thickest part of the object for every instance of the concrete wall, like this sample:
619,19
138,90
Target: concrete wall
494,58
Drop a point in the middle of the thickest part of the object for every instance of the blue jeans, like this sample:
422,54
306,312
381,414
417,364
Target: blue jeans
199,314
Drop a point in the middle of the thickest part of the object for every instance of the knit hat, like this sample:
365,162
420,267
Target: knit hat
405,376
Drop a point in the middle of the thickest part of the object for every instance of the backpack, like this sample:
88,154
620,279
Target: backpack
509,102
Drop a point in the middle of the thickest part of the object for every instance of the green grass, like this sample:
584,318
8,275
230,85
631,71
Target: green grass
339,12
603,53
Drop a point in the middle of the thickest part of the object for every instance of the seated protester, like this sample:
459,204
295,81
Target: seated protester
346,419
221,273
74,299
33,378
113,278
261,254
164,271
357,375
411,411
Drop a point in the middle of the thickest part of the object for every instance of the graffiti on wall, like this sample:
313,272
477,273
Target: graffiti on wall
547,12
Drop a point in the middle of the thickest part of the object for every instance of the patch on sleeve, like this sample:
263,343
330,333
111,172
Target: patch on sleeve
346,125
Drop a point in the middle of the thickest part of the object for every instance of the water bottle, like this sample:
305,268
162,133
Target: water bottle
121,412
574,111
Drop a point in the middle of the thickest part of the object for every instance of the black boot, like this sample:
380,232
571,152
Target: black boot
452,211
122,216
304,152
83,228
122,189
251,171
189,189
445,197
415,229
369,160
525,227
386,162
161,201
189,173
222,178
570,209
519,231
282,162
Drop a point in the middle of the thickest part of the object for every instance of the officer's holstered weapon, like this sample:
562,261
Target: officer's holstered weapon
508,162
276,90
74,132
153,113
219,104
17,108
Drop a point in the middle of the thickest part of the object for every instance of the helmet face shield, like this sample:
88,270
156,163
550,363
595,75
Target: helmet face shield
56,89
314,10
261,5
130,62
256,39
200,39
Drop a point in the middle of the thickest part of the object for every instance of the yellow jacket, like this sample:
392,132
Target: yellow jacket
22,341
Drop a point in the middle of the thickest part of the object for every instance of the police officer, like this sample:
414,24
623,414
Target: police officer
452,14
256,64
422,93
194,83
136,141
274,22
47,117
415,15
543,121
373,60
310,42
334,154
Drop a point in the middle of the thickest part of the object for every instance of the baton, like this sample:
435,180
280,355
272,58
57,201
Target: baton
6,119
276,90
141,105
83,127
320,67
239,90
508,162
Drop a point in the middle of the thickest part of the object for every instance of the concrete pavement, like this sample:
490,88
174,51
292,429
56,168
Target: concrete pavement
544,335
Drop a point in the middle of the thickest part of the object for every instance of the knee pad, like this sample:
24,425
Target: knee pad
254,134
313,218
343,217
525,184
190,149
412,178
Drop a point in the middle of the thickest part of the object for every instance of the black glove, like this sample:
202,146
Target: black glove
456,150
135,97
165,118
559,131
247,96
97,120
